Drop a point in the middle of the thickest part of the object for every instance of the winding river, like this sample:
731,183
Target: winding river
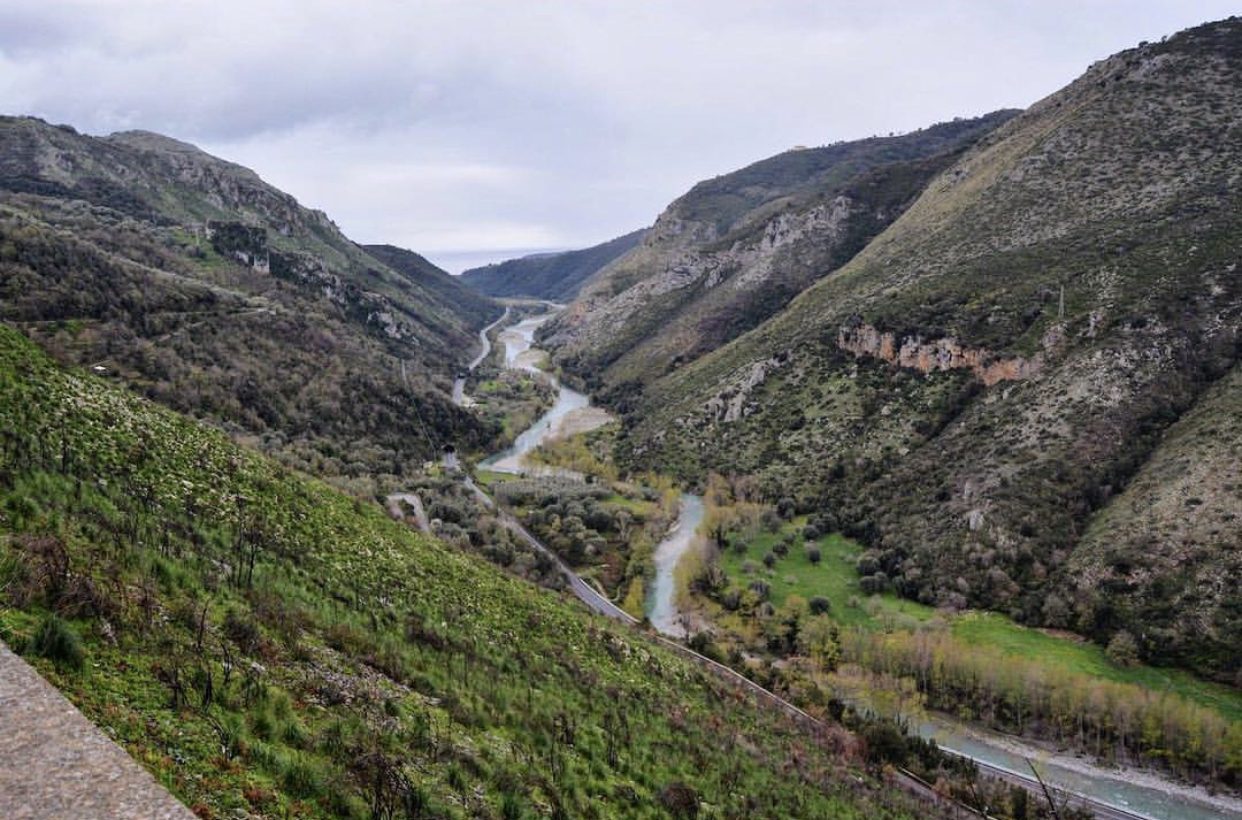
1114,794
1132,792
662,601
518,342
661,606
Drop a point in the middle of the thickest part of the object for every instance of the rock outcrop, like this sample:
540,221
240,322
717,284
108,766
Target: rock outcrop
936,355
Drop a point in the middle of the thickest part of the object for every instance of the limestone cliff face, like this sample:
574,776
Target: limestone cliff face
937,354
745,265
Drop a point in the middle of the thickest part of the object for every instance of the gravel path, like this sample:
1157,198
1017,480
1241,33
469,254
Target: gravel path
54,763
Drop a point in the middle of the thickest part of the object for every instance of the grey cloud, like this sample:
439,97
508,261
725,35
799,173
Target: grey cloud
552,124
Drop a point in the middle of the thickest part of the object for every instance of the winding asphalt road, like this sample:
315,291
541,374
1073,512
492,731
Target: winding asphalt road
459,384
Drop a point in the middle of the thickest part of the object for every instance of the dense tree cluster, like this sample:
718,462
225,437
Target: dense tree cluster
265,360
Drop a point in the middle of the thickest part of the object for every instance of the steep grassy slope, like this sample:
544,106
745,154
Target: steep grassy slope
735,249
265,644
553,276
216,294
974,386
1165,552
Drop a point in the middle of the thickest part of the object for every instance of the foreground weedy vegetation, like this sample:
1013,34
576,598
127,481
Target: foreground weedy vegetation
264,643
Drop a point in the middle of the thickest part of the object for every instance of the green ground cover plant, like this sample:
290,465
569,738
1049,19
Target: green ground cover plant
263,643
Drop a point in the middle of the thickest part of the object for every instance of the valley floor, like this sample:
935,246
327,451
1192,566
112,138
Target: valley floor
798,567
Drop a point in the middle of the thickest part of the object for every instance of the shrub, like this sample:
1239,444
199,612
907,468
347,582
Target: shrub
885,743
511,807
263,725
1123,649
873,584
231,732
813,555
769,560
13,572
262,756
702,643
819,605
242,631
56,641
301,777
680,800
294,734
282,707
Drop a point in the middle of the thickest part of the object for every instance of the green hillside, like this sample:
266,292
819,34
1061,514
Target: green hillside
266,645
973,394
201,286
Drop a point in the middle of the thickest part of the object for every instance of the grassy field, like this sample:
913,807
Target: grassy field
990,629
836,579
489,478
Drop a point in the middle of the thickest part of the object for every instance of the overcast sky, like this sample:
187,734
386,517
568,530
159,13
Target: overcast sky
475,131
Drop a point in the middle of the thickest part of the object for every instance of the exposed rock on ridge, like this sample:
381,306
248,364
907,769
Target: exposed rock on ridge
937,354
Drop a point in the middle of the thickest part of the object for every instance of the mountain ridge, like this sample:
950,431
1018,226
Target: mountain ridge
1095,234
204,287
553,276
735,249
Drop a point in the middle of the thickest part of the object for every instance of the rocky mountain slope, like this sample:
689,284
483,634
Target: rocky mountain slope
269,647
735,249
1021,394
556,277
197,283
